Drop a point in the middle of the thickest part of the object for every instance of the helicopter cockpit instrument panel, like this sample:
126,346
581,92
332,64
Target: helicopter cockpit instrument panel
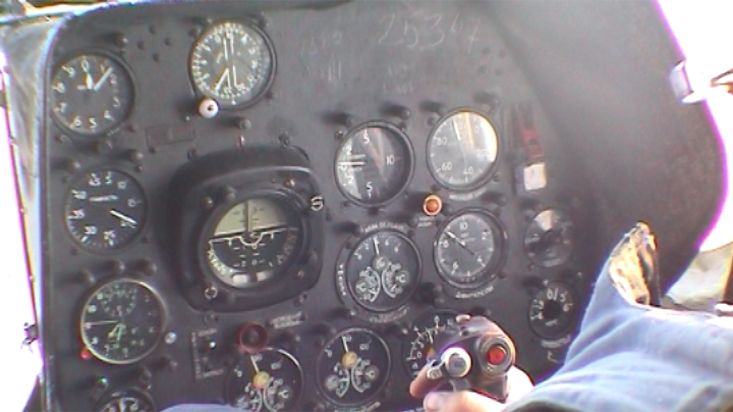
277,205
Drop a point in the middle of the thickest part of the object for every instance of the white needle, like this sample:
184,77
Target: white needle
123,217
376,245
108,198
220,82
102,79
346,346
101,322
355,163
254,364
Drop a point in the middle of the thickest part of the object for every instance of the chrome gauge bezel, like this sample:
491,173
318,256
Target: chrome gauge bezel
487,175
269,79
164,318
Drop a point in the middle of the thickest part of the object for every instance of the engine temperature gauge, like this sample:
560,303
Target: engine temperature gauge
418,347
270,380
353,367
382,271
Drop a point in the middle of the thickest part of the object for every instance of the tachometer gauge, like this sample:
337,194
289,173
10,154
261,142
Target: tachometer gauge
91,94
122,321
462,150
132,400
270,380
417,348
549,238
105,209
353,367
469,248
232,63
374,163
382,271
552,311
254,241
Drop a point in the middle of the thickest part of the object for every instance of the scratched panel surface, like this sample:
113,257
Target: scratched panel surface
357,58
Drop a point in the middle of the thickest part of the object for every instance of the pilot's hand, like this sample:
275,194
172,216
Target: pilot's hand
518,383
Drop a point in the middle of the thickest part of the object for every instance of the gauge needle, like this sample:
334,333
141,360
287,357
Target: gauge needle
224,76
376,245
254,364
346,346
460,242
102,79
127,219
100,322
107,198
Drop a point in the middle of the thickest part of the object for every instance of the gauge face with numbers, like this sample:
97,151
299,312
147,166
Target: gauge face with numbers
373,164
552,310
105,209
383,270
91,94
122,321
353,367
270,380
469,248
232,63
462,150
549,238
127,401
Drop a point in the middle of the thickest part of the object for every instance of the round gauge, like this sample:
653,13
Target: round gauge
373,164
549,238
254,241
105,209
462,150
417,348
130,400
232,63
382,271
353,367
270,380
122,321
469,248
91,94
552,311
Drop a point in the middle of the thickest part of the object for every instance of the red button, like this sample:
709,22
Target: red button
496,355
85,354
432,205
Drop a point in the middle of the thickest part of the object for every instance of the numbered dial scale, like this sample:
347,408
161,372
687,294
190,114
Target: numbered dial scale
105,209
353,367
469,248
462,150
122,321
382,271
232,63
254,241
91,94
552,310
418,347
374,163
270,380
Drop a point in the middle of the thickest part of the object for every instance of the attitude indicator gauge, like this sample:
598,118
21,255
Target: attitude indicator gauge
270,380
122,321
374,163
418,347
232,63
549,238
253,241
469,248
91,94
105,209
462,150
382,271
353,367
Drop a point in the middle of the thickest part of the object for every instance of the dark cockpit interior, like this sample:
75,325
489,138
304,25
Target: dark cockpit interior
277,204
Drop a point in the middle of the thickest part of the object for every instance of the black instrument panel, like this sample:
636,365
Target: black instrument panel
274,205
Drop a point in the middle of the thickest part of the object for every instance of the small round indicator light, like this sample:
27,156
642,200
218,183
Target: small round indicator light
85,354
496,355
432,205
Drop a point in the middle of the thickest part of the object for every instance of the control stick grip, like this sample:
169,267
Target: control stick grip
474,353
